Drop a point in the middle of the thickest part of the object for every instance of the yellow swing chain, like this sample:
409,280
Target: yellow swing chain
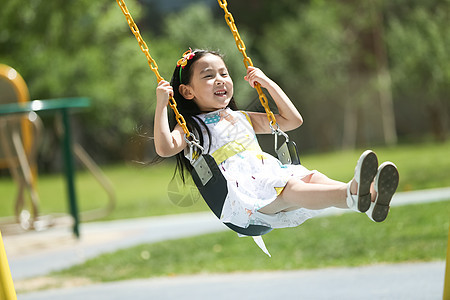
247,61
152,63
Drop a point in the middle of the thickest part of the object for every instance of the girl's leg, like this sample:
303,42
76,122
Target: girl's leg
300,194
317,177
317,191
320,178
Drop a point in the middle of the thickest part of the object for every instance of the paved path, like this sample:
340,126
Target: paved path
419,281
37,253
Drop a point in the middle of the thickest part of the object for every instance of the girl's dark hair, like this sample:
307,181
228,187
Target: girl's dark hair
189,108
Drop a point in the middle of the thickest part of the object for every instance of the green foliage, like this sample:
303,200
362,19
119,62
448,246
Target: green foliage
79,48
308,49
317,57
195,27
320,52
419,45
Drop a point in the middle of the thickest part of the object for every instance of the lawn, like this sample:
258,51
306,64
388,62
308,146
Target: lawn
143,191
411,233
139,191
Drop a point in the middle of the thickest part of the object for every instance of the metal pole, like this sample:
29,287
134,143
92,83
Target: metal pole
7,291
70,170
447,271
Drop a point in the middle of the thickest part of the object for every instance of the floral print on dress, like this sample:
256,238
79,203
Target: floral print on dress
254,178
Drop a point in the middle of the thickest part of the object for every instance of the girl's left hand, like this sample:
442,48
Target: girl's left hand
255,75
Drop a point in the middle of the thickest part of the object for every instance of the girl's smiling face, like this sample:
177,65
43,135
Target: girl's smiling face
210,87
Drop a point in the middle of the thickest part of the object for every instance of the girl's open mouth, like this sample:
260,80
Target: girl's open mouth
220,93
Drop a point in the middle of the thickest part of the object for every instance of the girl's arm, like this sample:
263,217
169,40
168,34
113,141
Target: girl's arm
167,143
288,117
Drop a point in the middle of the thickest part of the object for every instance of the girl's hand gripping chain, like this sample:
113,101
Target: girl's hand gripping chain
167,142
288,117
163,93
255,75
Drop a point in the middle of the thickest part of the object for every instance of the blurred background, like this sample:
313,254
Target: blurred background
364,74
361,73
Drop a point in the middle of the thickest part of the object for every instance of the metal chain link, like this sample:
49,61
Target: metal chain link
247,61
152,64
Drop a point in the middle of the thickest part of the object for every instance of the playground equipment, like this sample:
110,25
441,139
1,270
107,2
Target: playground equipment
18,136
20,131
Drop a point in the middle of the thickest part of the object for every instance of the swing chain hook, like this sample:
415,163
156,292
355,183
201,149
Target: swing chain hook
278,132
193,143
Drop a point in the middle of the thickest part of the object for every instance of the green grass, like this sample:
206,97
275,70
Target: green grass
421,166
142,191
411,233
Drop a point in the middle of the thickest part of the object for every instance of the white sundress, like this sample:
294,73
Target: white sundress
254,178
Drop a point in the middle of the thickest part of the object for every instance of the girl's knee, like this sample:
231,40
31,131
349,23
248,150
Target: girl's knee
292,188
314,177
317,174
318,177
284,200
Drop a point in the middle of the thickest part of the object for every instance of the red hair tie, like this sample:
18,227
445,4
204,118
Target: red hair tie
182,62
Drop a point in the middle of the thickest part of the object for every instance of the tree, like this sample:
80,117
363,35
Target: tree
419,44
309,55
329,56
80,48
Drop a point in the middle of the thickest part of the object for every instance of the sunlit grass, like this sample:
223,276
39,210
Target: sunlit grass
142,191
139,192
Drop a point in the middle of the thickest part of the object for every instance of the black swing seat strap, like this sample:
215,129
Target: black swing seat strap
212,185
251,230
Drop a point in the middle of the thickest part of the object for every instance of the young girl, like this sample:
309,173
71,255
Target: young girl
261,190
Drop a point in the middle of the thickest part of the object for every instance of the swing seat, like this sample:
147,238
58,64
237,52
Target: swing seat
212,185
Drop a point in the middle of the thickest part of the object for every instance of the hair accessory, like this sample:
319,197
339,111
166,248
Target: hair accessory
182,62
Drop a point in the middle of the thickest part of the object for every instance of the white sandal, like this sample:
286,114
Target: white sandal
365,171
386,183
